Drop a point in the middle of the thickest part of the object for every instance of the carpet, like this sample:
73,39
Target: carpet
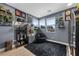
47,49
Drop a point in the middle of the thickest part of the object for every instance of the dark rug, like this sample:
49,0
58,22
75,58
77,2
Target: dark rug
47,49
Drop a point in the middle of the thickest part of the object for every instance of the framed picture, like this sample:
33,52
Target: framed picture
68,15
18,13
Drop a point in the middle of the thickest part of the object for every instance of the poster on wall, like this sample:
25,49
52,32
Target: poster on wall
5,17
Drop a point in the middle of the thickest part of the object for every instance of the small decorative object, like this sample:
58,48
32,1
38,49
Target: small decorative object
8,45
51,29
43,27
61,23
67,15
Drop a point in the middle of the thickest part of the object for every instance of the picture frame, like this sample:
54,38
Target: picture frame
67,15
20,13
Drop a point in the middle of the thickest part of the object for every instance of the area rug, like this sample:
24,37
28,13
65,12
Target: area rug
47,49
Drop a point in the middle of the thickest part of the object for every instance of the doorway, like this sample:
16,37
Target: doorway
77,33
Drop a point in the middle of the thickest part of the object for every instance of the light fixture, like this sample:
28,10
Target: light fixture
69,4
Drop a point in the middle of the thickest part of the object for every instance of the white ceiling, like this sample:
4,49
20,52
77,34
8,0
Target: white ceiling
41,9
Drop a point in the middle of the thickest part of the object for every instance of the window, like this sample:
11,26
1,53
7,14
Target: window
42,23
51,24
35,22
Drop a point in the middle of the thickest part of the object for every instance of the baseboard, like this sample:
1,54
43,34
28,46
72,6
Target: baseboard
58,42
2,49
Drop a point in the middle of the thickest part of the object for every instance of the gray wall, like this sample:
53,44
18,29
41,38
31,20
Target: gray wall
60,35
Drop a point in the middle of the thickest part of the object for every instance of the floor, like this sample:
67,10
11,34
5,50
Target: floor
38,49
21,51
47,49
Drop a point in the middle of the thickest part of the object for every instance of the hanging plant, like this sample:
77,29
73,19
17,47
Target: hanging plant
9,16
0,16
5,19
1,19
